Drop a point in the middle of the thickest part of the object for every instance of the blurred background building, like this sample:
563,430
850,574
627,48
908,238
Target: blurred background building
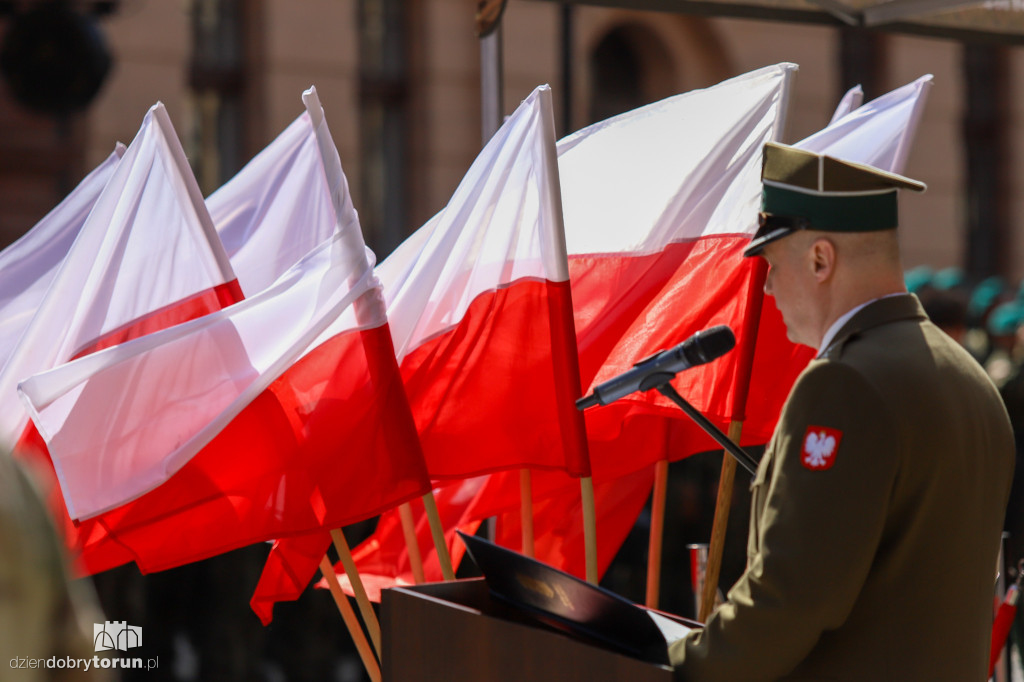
400,81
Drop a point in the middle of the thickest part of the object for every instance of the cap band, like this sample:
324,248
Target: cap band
834,212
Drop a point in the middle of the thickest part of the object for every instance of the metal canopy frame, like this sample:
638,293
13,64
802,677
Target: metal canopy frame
975,21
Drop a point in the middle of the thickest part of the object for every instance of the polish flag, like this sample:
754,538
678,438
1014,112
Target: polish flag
278,416
146,258
635,187
28,266
659,204
265,215
879,133
481,316
481,313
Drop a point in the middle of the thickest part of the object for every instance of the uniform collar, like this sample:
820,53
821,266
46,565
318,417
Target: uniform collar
830,334
878,312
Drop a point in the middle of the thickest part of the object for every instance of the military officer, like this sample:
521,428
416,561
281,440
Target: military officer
878,505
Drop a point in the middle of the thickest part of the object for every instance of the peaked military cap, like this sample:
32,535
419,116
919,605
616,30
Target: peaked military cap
803,190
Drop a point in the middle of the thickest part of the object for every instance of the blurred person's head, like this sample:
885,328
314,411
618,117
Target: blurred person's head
947,308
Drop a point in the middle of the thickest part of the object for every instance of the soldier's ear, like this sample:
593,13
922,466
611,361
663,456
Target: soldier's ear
823,258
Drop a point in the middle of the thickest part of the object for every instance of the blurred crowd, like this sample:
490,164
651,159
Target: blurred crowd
987,318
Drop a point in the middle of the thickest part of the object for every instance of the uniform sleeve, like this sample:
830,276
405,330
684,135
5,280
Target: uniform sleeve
815,541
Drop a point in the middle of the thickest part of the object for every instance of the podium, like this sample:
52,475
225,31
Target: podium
457,631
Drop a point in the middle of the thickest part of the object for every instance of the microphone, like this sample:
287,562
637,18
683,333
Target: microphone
662,367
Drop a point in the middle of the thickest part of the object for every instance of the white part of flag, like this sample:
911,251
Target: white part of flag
502,224
853,98
639,181
147,245
878,133
28,266
264,215
121,421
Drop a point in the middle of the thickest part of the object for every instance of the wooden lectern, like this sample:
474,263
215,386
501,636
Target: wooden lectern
457,631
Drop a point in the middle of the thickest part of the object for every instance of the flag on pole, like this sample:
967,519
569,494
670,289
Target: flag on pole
278,416
481,316
265,215
146,258
28,266
871,134
481,313
635,189
878,133
659,203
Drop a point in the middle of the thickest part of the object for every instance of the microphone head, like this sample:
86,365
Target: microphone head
712,343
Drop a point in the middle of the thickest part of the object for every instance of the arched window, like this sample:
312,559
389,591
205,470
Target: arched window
629,67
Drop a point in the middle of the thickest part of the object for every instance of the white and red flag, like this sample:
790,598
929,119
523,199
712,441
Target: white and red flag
481,313
638,189
880,133
481,316
146,258
659,204
278,416
266,216
28,266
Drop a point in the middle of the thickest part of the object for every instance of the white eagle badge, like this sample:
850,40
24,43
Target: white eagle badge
820,447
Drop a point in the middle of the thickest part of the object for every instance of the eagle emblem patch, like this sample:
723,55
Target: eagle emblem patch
820,447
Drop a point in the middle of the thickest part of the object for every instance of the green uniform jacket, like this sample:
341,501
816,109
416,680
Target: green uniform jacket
875,520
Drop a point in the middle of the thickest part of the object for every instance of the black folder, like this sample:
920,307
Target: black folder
575,606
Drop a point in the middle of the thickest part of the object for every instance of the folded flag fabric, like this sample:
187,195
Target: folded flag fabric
146,258
28,266
853,98
878,133
481,313
659,203
278,416
266,216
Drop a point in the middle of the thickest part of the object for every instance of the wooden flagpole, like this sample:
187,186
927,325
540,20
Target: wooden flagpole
526,511
351,621
411,543
721,522
437,532
654,543
755,300
365,608
589,528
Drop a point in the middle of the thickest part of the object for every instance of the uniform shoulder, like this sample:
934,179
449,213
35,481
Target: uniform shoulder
831,386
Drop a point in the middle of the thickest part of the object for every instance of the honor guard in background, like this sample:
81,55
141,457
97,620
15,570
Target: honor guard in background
878,506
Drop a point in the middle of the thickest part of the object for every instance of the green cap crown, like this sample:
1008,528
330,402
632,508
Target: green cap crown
805,190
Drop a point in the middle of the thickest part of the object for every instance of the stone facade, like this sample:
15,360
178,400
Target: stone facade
290,45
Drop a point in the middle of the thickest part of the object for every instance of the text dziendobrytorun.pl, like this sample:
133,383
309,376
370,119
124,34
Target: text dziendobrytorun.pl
86,664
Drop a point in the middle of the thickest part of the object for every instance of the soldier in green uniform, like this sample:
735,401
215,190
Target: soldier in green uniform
878,505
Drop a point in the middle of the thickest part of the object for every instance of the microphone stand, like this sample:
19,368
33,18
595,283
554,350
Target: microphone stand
741,455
